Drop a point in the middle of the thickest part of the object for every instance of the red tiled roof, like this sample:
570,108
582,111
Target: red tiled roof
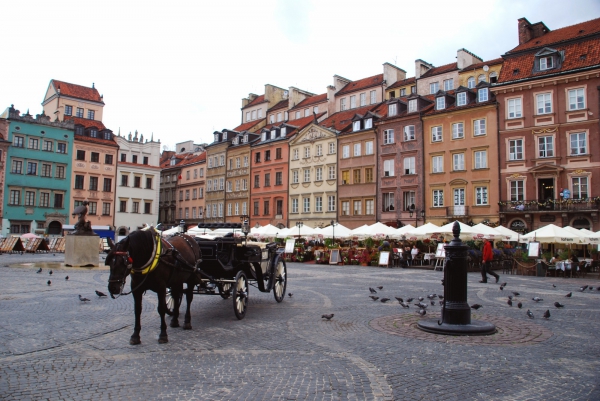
342,119
280,105
191,158
361,84
304,121
440,70
258,100
167,163
403,82
77,91
480,65
454,107
247,126
581,54
311,100
561,35
85,122
138,165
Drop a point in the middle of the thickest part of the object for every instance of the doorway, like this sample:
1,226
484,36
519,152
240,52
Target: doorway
545,189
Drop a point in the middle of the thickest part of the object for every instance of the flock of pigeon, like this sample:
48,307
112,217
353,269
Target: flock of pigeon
82,299
422,305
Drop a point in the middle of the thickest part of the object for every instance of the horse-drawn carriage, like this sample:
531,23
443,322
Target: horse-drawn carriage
214,265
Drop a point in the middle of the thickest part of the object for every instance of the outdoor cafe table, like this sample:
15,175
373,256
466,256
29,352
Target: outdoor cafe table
565,267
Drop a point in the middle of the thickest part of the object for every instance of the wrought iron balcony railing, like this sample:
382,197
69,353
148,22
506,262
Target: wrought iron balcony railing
565,205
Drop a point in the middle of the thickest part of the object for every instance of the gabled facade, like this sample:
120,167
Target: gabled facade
255,107
191,187
216,174
237,183
548,107
63,99
38,174
170,174
137,186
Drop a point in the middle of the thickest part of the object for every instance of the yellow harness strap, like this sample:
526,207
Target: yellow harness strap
156,256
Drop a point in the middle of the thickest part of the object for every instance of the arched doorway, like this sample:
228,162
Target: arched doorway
55,228
518,226
122,231
581,222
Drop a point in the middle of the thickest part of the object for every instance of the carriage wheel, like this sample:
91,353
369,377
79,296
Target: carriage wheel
240,295
280,279
225,290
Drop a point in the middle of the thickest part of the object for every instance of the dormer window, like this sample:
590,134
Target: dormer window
264,136
392,109
272,119
173,161
216,137
235,141
412,106
461,98
79,130
273,134
93,133
482,95
245,139
440,103
356,126
546,63
368,123
283,131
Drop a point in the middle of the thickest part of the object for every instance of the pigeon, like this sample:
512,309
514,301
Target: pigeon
421,298
569,295
476,306
384,300
404,305
520,305
50,272
501,288
547,314
328,317
49,282
510,297
82,299
39,271
509,302
422,312
440,296
400,300
100,294
53,254
372,290
530,314
380,287
373,297
536,299
559,305
290,294
432,302
409,300
553,285
66,278
503,285
421,305
583,288
516,294
103,257
432,296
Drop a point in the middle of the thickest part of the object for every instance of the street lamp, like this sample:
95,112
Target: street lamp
182,226
333,224
245,224
411,211
299,224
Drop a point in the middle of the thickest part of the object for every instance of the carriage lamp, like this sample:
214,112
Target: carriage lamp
333,224
245,224
299,224
182,226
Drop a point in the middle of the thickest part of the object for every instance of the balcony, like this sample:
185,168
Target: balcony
557,205
457,211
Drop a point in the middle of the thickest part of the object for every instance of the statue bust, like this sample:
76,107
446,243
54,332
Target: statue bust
82,227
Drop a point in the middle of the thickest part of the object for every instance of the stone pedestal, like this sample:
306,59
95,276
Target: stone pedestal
82,250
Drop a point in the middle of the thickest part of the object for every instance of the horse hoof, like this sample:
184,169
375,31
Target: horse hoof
134,341
163,340
187,326
174,323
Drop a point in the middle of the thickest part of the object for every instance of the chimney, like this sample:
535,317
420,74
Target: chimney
247,100
529,31
331,99
465,58
392,74
421,67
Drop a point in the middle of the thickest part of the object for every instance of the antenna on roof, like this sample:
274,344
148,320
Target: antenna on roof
93,87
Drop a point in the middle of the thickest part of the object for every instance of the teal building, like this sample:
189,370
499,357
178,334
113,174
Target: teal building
37,174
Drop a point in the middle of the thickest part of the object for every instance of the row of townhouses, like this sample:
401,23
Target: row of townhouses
509,140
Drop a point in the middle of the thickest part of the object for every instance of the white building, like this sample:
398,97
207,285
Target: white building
138,173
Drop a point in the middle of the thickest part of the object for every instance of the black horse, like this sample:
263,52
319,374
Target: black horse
155,264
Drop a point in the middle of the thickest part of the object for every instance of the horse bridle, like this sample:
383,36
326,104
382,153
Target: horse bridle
129,263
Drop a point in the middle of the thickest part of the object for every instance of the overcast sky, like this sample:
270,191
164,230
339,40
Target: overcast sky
180,69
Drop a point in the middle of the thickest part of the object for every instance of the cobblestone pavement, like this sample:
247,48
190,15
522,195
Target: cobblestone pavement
55,347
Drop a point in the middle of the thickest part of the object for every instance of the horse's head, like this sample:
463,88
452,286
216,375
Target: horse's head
120,263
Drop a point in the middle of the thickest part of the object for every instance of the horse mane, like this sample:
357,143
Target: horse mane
140,247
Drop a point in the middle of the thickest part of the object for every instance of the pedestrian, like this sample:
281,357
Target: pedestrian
488,256
413,253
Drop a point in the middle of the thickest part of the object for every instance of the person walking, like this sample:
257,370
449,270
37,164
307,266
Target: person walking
488,256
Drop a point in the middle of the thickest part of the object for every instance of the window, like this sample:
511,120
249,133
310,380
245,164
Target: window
388,168
222,160
78,182
124,180
306,205
33,143
68,110
91,114
440,103
93,183
409,133
373,96
576,99
279,178
253,115
388,202
136,209
148,183
409,165
18,141
353,101
343,104
255,209
369,174
44,199
306,175
295,205
297,115
61,147
409,200
448,84
81,155
277,154
481,78
580,187
15,197
458,161
318,203
279,117
29,198
331,174
257,157
517,190
31,168
46,170
461,98
437,164
331,203
17,167
481,196
95,157
368,123
481,159
515,149
295,177
369,148
221,208
471,82
79,112
369,207
345,177
93,133
267,155
319,151
245,162
296,154
482,95
412,106
438,197
436,134
356,126
363,99
545,146
458,130
357,209
434,87
267,179
108,159
105,209
578,144
392,109
266,208
60,171
544,103
514,108
180,195
345,151
388,136
306,152
357,149
345,208
356,176
107,185
546,63
256,181
319,174
479,127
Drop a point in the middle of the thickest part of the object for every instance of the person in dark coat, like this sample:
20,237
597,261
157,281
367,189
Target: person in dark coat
488,256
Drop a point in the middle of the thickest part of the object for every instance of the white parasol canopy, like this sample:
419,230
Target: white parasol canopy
357,229
552,234
337,231
512,236
266,231
304,231
420,233
490,232
403,230
466,232
376,229
590,236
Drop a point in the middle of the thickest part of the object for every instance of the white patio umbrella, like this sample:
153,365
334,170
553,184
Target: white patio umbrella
421,233
552,234
512,236
490,232
337,231
590,236
266,231
284,232
376,229
466,232
304,231
358,229
403,230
